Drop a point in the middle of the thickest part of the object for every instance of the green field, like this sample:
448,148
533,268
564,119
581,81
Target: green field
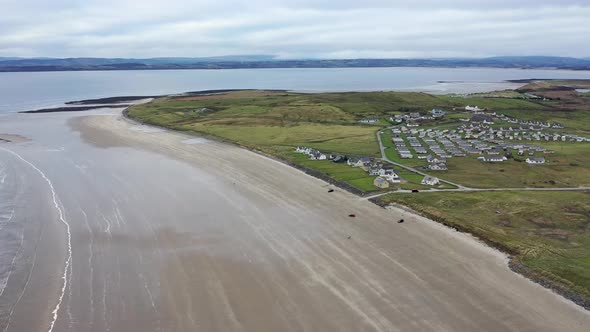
548,231
569,166
275,122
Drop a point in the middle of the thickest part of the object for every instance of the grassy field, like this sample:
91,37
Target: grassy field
342,172
548,231
275,122
568,167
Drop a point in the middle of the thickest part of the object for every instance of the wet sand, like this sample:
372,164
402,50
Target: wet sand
173,233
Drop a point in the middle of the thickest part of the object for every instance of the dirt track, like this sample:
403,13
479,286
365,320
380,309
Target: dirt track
170,233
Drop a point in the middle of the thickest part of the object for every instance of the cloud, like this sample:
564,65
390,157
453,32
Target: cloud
291,29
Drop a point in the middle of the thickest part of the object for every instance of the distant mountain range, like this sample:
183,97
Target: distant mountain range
268,61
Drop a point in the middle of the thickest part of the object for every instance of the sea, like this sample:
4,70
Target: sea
33,90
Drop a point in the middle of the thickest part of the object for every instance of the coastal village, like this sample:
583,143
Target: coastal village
489,137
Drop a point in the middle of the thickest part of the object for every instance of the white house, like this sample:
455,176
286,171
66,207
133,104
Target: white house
369,120
438,167
473,108
539,160
430,180
390,175
493,159
303,149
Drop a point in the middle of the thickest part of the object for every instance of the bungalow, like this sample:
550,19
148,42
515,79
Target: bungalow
381,182
373,169
493,159
358,162
396,119
539,160
369,120
354,162
317,155
302,149
435,160
438,167
472,108
437,113
493,152
388,173
430,181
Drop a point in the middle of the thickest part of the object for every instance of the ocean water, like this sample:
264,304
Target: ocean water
25,91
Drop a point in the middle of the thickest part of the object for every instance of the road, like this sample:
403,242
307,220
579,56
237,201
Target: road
434,190
110,226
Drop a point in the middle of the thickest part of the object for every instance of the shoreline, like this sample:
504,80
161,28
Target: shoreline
68,69
513,262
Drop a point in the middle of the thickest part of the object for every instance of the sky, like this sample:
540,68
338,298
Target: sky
292,29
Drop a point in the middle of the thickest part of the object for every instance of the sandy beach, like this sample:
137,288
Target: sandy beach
112,226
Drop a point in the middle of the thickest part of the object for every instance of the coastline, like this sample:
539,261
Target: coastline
274,243
513,262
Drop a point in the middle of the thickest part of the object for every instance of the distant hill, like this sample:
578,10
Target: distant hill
269,61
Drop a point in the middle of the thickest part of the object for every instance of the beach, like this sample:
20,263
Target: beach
123,227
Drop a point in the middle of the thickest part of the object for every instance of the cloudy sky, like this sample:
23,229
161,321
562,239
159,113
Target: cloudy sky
294,29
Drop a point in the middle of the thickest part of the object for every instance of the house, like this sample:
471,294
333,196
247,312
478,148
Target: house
381,182
438,167
405,155
539,160
396,119
493,159
373,169
302,149
437,113
430,181
317,155
339,159
435,160
354,162
358,162
369,120
473,108
388,173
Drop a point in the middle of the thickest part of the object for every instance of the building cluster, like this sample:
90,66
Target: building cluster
436,146
518,134
384,172
413,119
313,154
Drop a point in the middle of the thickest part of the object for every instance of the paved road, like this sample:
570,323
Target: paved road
108,226
401,191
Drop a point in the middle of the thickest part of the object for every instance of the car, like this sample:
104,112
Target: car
415,190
